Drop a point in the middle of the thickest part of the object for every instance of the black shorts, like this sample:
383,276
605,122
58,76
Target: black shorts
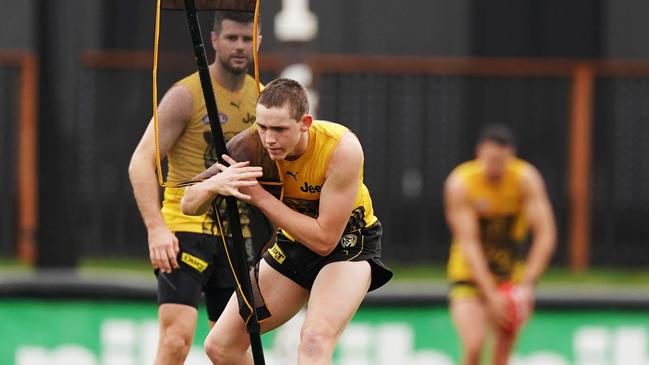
300,264
203,268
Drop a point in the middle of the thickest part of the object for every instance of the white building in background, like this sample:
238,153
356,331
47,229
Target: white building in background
296,24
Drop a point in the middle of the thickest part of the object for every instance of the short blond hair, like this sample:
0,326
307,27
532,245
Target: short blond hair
281,91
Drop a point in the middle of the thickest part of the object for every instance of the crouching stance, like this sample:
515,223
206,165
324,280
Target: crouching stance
491,204
326,253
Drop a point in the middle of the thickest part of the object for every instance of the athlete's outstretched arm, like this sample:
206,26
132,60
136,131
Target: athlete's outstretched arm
463,222
337,199
173,114
541,220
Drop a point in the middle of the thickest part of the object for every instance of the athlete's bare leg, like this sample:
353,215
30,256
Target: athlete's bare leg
177,326
227,342
503,345
336,294
470,319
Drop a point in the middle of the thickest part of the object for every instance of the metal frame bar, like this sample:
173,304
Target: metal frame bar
237,244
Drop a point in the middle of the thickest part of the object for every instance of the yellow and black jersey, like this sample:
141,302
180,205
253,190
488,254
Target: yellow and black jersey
502,222
303,178
194,151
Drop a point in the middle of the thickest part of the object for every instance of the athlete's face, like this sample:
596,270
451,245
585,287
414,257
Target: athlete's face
233,46
494,158
283,136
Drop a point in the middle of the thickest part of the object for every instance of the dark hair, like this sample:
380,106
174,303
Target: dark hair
281,91
497,133
237,16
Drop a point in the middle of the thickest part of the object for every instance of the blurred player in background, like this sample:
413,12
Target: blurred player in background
327,253
491,204
185,250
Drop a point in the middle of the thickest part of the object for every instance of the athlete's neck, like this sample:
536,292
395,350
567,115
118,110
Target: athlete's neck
225,78
300,147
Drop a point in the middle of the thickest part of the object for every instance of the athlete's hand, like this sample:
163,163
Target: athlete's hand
234,177
524,301
255,192
163,249
498,307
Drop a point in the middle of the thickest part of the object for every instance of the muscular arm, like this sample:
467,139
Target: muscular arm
337,199
173,114
541,220
463,222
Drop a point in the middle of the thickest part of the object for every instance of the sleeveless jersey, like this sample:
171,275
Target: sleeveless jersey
194,150
502,223
303,178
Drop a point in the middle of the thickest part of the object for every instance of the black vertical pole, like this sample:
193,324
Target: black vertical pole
238,249
57,245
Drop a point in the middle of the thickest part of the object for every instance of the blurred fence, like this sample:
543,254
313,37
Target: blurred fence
582,123
621,170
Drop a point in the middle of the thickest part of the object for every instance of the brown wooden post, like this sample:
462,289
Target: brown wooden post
27,172
579,168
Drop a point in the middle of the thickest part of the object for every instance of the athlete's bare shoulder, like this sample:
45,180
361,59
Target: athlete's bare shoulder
455,184
531,179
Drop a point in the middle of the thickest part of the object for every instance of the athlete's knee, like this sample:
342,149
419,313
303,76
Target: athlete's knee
215,351
220,352
176,343
317,341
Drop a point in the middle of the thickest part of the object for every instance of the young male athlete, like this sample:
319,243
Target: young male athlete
185,250
491,203
327,252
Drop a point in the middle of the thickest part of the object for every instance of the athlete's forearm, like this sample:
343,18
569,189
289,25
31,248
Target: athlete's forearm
147,193
540,253
197,199
463,221
480,270
542,224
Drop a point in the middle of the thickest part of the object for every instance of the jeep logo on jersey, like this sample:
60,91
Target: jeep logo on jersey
223,118
308,188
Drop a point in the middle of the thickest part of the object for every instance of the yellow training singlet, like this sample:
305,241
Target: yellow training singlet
303,177
502,223
194,150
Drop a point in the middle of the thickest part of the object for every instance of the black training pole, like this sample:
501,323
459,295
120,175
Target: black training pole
241,264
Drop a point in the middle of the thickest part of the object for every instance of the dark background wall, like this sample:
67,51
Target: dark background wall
626,32
437,27
17,19
552,28
415,128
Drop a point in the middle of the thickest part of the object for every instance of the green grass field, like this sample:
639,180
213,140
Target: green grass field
404,273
